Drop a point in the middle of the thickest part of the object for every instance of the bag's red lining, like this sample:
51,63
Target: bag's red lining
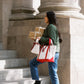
46,60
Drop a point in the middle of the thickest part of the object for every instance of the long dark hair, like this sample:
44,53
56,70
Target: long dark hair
52,20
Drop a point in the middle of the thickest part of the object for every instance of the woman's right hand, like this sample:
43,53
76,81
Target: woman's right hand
38,38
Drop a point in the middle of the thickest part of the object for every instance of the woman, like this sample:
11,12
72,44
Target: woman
50,32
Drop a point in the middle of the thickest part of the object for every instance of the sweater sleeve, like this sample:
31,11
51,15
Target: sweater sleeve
44,40
51,34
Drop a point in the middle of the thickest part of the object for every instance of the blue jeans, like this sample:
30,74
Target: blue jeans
52,69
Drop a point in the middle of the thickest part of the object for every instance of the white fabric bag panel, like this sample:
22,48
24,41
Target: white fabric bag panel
50,54
36,48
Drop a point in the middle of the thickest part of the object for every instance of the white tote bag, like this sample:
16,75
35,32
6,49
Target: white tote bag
36,47
47,53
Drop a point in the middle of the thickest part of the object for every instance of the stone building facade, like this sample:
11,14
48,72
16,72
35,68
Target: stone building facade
17,19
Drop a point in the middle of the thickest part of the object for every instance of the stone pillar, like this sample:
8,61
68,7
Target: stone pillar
22,9
6,13
0,20
62,8
82,6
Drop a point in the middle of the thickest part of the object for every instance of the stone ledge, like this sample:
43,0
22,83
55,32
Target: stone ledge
23,10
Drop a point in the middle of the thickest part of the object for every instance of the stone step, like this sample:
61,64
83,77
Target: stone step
14,74
44,80
13,63
6,54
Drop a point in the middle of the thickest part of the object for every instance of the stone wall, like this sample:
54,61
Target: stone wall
7,6
0,20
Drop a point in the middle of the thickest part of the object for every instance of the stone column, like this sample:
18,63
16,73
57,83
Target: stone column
6,13
62,8
82,6
0,20
22,9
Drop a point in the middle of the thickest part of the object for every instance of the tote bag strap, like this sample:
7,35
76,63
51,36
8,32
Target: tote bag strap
50,41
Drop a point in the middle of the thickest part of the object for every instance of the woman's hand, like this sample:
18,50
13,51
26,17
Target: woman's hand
38,38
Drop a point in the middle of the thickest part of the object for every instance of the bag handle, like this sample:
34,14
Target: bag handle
50,41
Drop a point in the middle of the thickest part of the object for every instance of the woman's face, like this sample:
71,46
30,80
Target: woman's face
46,19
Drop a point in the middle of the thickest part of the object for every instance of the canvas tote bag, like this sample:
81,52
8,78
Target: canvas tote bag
47,53
36,47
